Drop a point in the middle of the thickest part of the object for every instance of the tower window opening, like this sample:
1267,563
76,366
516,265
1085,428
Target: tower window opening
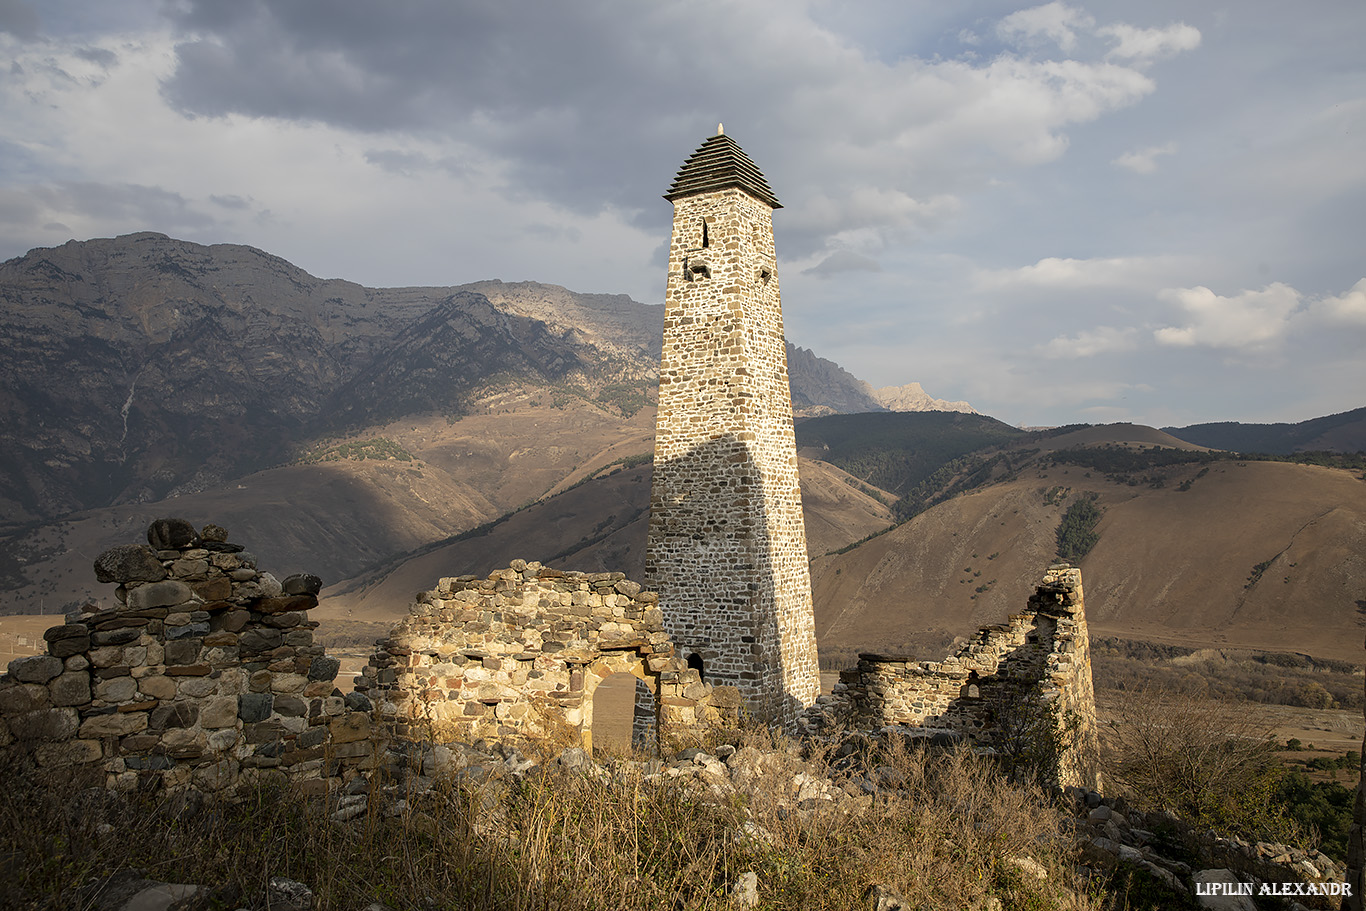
705,242
695,662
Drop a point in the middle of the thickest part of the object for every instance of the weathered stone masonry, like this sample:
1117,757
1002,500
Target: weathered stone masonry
1039,655
205,675
727,547
516,658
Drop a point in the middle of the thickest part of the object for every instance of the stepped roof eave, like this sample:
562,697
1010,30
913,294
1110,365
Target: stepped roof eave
720,164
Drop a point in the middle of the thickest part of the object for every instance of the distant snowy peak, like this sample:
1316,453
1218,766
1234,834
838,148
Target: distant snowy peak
912,397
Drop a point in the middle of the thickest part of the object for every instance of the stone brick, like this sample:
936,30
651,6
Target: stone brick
189,670
182,651
195,687
350,727
117,689
26,697
44,724
253,707
258,639
324,667
168,593
183,743
219,712
119,724
68,753
35,668
172,715
129,563
235,621
70,688
290,706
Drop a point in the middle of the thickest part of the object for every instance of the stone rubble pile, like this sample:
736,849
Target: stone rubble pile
1110,831
205,674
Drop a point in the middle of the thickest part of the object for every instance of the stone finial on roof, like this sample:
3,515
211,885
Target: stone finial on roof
719,164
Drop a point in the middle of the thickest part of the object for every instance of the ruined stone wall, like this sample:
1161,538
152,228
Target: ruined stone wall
206,674
727,545
992,688
516,658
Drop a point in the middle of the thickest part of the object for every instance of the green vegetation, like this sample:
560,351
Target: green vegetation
1276,678
377,449
1257,571
602,532
628,398
961,476
1275,438
1077,530
1322,807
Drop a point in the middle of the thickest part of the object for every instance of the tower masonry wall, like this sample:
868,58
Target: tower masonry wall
727,545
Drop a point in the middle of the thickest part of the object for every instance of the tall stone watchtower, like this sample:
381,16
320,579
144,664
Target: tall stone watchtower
727,546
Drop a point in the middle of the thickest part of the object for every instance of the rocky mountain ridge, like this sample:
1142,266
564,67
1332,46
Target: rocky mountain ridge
913,397
142,367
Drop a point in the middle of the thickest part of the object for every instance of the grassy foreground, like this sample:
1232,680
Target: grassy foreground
948,832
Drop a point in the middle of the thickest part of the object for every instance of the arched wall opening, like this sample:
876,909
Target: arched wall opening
619,710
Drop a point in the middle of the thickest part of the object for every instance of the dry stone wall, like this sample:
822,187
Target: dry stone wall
206,674
727,545
516,658
1036,666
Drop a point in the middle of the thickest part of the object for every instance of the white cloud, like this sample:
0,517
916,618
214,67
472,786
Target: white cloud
1249,320
1056,22
1090,342
1346,309
1144,161
1101,272
1144,45
844,261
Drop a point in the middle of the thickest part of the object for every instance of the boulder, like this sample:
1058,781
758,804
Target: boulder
302,584
171,534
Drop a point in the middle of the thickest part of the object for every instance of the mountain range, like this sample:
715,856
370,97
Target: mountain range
383,438
142,367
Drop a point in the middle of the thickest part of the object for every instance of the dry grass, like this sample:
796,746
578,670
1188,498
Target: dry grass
945,837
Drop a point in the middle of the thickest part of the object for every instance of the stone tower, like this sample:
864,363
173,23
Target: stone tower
727,545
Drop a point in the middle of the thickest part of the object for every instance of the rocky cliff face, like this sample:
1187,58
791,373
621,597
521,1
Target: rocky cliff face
139,367
912,397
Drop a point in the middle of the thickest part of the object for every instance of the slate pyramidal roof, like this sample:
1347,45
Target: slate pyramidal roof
719,164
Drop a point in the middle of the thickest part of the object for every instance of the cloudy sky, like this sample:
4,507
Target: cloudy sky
1078,211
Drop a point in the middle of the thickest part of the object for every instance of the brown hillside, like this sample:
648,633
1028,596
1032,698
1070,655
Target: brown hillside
1133,436
335,518
613,508
1170,565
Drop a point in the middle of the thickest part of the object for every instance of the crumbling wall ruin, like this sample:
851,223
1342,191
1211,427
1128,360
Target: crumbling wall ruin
1024,683
205,674
516,657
